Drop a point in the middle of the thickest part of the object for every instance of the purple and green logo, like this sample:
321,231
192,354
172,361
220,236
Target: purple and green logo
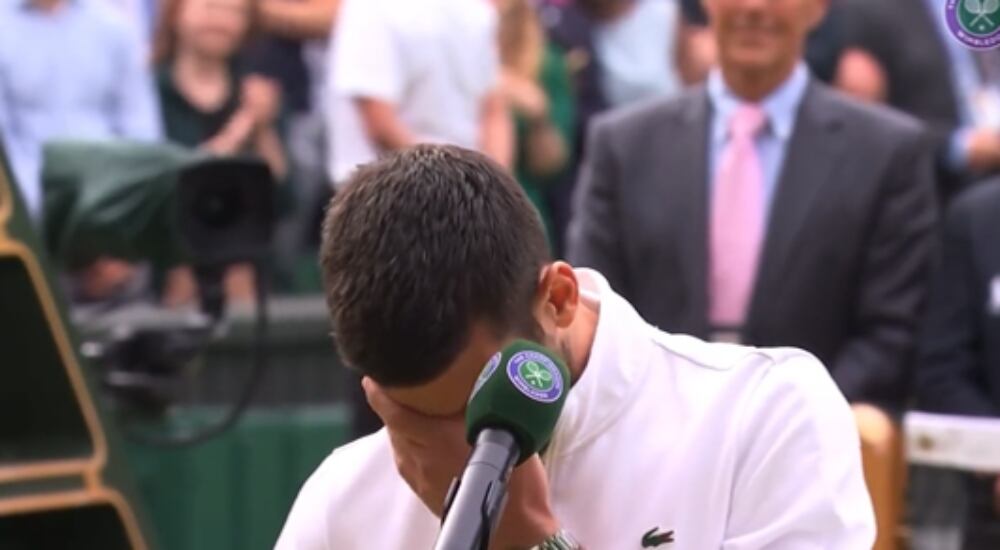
975,23
536,376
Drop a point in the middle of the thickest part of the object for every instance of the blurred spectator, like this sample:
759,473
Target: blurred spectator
207,98
960,350
681,200
72,69
618,51
209,101
536,84
286,27
959,353
636,44
292,31
572,29
905,55
824,46
291,49
410,71
69,69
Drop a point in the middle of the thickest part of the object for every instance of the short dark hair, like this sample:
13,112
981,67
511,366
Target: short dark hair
417,247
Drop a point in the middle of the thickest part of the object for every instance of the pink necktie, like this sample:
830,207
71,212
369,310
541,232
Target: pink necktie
737,220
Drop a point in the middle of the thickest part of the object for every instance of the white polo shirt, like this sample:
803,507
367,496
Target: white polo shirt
729,447
435,60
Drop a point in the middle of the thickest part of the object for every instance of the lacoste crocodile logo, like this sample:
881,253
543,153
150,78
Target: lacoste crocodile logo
652,539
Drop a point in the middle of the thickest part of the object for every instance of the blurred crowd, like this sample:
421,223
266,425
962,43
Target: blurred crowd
828,188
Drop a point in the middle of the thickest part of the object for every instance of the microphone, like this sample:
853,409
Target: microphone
511,414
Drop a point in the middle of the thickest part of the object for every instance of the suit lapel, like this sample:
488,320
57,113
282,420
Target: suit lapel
685,170
813,154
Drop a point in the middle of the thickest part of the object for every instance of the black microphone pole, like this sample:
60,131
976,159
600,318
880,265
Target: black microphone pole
476,499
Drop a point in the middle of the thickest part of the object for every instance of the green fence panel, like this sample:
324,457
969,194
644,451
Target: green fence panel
235,491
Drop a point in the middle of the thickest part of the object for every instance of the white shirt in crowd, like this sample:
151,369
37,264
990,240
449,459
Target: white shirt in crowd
728,447
435,60
638,52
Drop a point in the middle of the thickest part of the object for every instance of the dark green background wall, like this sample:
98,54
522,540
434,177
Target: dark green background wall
234,492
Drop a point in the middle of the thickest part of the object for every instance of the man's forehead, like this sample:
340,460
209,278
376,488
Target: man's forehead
447,393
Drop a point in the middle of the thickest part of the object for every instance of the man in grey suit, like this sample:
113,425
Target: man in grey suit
766,208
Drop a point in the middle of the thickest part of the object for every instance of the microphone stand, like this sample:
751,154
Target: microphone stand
476,499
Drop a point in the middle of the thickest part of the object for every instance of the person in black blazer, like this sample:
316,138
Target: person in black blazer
847,248
959,353
958,368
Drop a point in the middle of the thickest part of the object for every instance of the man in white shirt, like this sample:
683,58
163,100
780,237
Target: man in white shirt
433,259
409,71
636,43
69,70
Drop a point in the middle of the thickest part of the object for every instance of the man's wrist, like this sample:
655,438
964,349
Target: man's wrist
527,535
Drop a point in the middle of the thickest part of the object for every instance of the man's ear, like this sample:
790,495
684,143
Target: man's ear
558,295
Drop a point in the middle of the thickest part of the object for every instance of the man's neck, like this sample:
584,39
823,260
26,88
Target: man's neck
755,85
579,338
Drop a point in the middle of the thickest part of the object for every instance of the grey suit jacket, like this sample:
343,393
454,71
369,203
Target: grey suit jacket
848,247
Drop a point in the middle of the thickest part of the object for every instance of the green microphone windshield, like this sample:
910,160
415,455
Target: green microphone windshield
522,390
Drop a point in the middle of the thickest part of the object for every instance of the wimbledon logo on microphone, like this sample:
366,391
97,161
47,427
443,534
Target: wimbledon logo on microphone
536,376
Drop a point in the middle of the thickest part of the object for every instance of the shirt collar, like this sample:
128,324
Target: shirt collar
614,373
781,106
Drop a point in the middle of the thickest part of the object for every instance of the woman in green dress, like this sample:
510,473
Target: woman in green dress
536,82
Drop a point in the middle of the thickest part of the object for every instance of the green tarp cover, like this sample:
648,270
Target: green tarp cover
113,199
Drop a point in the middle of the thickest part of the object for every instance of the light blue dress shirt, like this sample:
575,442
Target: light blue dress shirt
781,109
78,72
